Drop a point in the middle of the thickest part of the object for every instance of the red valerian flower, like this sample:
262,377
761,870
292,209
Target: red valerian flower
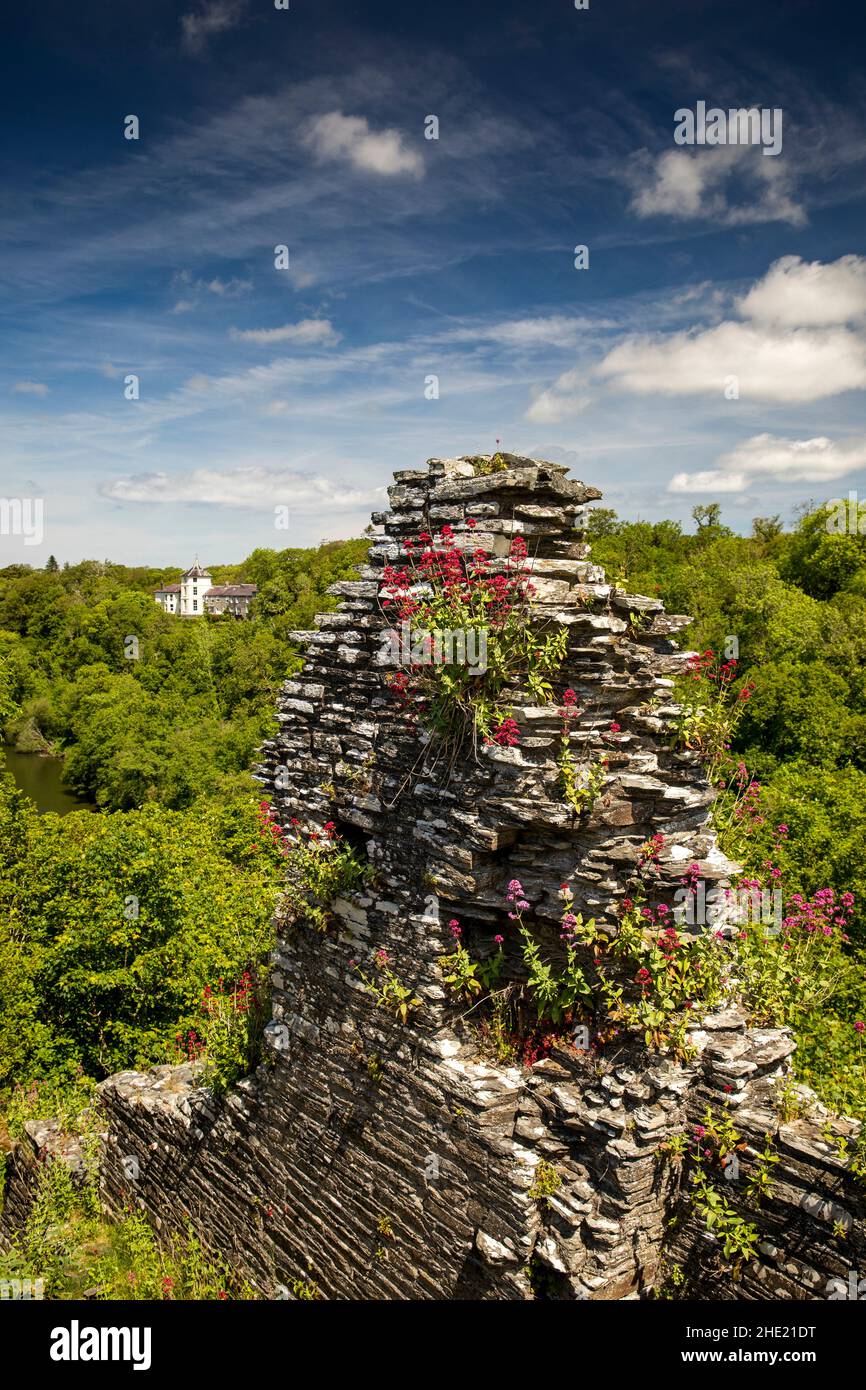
506,734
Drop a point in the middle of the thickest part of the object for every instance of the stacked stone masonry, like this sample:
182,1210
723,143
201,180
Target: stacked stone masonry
356,1122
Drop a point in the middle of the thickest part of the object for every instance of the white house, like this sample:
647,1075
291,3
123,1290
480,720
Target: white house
193,587
187,597
196,594
168,597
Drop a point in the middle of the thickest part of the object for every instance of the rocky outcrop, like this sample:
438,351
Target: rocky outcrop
380,1160
346,753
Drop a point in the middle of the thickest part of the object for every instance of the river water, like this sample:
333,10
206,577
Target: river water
39,778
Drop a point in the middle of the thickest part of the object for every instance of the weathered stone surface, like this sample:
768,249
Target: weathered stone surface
355,1123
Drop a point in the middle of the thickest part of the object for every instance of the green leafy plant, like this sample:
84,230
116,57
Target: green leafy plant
555,993
305,1290
738,1237
320,866
674,1148
712,706
482,465
579,783
546,1182
387,990
759,1183
139,1268
460,973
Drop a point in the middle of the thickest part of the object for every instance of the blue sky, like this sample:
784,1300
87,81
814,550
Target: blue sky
409,257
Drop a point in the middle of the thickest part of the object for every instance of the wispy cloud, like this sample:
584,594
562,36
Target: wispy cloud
199,26
318,331
30,388
192,289
256,487
567,397
559,330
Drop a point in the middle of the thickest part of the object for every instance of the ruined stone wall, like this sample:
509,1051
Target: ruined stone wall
386,1161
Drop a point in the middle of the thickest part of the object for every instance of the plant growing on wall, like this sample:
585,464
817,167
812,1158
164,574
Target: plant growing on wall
546,1183
320,866
796,970
482,465
738,1237
643,980
234,1017
805,971
387,988
712,706
443,590
579,783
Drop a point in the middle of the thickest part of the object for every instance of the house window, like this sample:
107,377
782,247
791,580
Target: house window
194,604
194,589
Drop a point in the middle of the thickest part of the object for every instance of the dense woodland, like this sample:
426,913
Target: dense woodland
115,924
182,718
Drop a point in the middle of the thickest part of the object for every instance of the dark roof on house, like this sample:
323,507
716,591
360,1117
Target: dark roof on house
168,589
233,591
196,572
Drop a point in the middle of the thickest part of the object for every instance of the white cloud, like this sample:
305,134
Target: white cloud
256,487
688,184
710,480
794,347
765,456
795,365
808,293
306,332
333,136
199,26
30,388
227,288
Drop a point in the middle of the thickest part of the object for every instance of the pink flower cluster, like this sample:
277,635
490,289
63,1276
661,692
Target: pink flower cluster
514,895
821,915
